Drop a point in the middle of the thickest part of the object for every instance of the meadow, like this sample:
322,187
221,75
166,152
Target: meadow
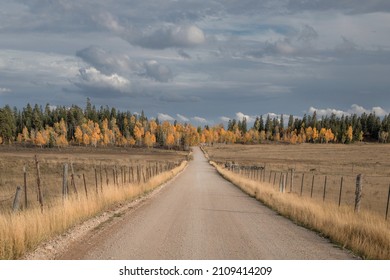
113,176
333,161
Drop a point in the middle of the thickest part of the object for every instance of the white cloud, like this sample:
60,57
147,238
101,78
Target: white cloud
379,111
240,116
355,109
225,119
200,120
92,79
4,90
183,118
327,112
107,62
169,36
164,117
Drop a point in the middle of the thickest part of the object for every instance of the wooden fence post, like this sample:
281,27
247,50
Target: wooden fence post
281,179
292,180
387,207
101,178
303,178
85,186
341,189
15,205
65,181
312,187
143,174
282,185
274,178
40,198
107,180
73,179
116,175
25,186
113,176
324,194
358,192
96,181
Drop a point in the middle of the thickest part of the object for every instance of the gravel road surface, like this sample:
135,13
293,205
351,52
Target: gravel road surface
199,215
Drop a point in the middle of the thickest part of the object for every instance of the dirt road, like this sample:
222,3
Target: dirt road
199,215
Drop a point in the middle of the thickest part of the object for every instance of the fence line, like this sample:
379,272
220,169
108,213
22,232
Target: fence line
332,189
122,176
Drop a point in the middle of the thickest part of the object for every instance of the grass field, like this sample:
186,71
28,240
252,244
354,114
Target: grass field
84,159
333,161
22,231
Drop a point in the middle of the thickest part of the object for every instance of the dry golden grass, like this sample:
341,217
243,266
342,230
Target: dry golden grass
84,159
332,160
23,231
365,234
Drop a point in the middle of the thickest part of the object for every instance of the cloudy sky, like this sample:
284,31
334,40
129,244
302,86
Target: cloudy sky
198,60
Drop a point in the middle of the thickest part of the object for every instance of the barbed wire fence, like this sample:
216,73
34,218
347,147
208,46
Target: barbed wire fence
361,191
76,180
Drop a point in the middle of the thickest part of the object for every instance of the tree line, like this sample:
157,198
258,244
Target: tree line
61,126
338,129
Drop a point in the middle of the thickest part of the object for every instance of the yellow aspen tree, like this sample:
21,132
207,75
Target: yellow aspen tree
177,136
138,133
246,139
32,135
170,140
86,139
131,141
202,138
63,128
322,135
361,134
39,140
262,136
111,137
149,139
50,135
78,135
350,134
193,138
25,135
153,127
315,135
302,134
1,140
222,135
277,137
309,134
95,137
19,138
230,137
61,141
105,133
293,138
329,136
46,135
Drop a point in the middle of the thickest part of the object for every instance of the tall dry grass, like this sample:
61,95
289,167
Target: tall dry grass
24,231
365,234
